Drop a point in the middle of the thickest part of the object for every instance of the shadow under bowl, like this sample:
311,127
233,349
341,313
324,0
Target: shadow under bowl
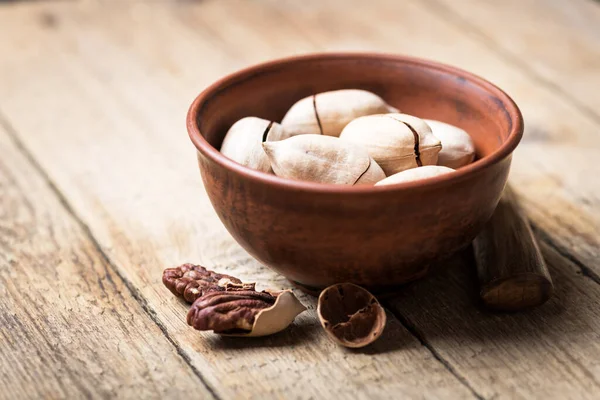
377,237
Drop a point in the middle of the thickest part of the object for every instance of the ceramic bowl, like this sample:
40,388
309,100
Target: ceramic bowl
377,237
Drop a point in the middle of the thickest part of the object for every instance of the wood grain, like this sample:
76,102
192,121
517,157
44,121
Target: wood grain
549,352
511,271
69,326
135,183
99,98
555,42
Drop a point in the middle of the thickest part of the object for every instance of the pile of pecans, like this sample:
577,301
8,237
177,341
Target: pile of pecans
348,137
227,306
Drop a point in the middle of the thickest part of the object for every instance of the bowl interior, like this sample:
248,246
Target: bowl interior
421,88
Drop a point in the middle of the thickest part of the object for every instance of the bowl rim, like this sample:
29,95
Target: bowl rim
210,152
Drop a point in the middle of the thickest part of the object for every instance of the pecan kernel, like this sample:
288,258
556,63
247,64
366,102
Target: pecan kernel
192,281
228,311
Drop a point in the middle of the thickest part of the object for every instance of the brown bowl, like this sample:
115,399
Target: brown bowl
378,237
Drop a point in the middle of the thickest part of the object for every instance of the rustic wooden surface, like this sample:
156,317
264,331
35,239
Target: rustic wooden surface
100,191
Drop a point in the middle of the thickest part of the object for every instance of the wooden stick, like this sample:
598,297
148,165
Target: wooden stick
512,272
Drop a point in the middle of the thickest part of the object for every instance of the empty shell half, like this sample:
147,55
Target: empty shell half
351,315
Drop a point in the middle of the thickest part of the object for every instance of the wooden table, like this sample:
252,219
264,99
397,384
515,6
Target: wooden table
99,192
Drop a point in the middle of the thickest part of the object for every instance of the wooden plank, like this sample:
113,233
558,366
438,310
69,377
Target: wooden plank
132,178
549,352
556,41
69,326
119,51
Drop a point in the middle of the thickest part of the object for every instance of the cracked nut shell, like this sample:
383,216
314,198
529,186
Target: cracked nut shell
244,313
323,159
243,142
397,142
191,281
327,113
351,315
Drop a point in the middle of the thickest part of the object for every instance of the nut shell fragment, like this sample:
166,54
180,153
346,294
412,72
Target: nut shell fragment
244,313
351,315
191,281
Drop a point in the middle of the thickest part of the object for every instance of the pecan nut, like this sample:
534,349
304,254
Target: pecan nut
225,312
244,312
192,281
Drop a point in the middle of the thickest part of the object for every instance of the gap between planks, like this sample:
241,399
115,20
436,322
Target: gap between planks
13,135
543,236
421,338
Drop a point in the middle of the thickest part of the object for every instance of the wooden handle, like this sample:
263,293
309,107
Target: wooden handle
512,272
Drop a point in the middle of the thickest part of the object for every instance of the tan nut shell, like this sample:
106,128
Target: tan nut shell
323,159
415,174
275,318
335,110
458,149
391,142
243,142
351,315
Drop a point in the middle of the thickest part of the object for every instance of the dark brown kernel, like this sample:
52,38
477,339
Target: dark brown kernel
191,281
228,312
